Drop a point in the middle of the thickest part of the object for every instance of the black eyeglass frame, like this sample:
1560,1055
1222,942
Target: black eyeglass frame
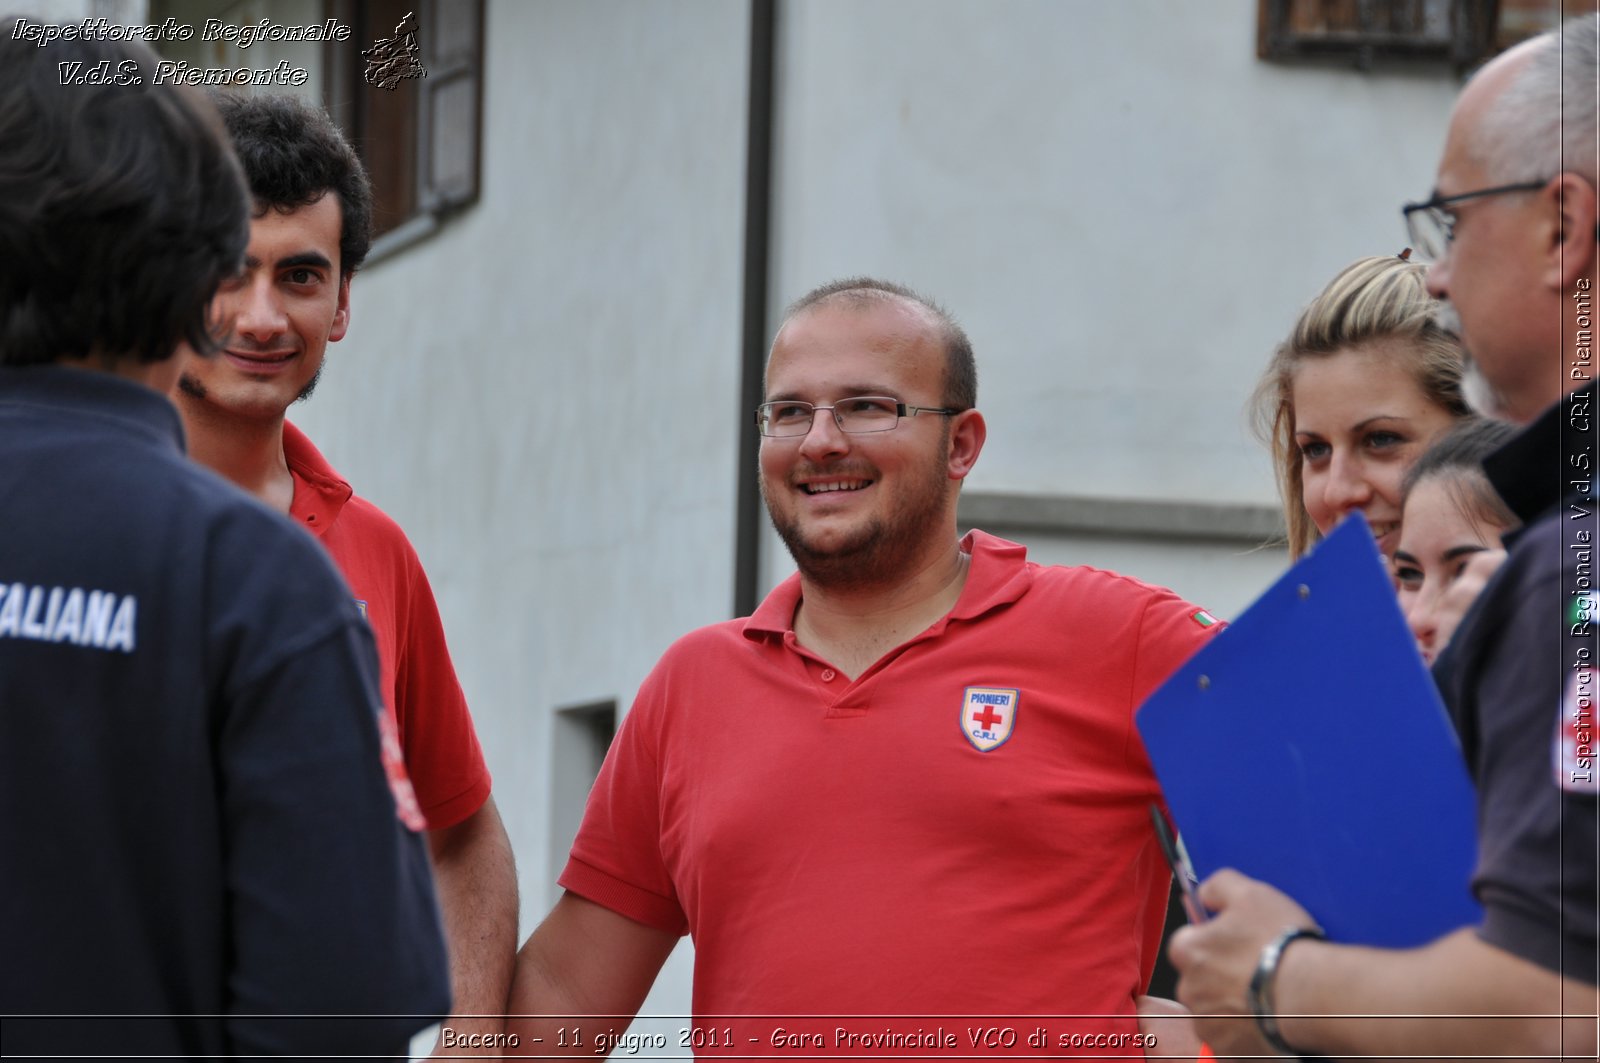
901,410
1438,208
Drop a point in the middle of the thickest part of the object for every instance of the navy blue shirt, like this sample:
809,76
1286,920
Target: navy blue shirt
196,824
1519,678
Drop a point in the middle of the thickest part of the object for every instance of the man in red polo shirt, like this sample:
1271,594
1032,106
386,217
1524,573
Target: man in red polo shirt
310,232
902,809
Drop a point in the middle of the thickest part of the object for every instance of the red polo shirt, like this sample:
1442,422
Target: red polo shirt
420,689
895,845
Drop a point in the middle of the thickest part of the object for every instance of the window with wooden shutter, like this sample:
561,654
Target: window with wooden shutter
421,139
1364,31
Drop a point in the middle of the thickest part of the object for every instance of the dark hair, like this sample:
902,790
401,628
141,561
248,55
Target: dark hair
293,155
961,369
1456,460
121,207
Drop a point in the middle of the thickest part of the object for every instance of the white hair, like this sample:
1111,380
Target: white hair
1544,122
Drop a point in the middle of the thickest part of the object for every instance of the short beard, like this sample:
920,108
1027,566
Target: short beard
190,385
880,553
856,564
311,385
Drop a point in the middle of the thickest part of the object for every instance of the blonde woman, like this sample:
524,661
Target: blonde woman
1365,382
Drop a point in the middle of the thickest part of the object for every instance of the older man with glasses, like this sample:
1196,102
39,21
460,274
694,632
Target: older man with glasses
1511,229
902,808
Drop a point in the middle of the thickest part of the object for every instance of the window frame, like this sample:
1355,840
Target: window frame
442,169
1471,36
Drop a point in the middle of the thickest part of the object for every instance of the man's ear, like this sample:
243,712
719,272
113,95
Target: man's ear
967,433
341,316
1571,250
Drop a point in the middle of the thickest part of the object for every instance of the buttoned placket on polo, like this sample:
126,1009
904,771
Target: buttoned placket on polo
842,697
987,588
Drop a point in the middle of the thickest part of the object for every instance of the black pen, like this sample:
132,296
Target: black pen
1178,861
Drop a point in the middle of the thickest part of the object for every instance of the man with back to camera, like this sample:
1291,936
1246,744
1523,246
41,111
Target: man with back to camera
310,231
203,856
1511,228
905,797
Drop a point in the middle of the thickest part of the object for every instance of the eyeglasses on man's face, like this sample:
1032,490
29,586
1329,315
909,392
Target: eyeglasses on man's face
857,415
1431,224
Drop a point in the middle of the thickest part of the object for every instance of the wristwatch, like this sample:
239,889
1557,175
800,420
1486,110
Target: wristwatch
1261,1004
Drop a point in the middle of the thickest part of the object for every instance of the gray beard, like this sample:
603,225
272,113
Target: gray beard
1479,394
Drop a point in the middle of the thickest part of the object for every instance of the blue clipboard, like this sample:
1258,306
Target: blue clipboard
1306,746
